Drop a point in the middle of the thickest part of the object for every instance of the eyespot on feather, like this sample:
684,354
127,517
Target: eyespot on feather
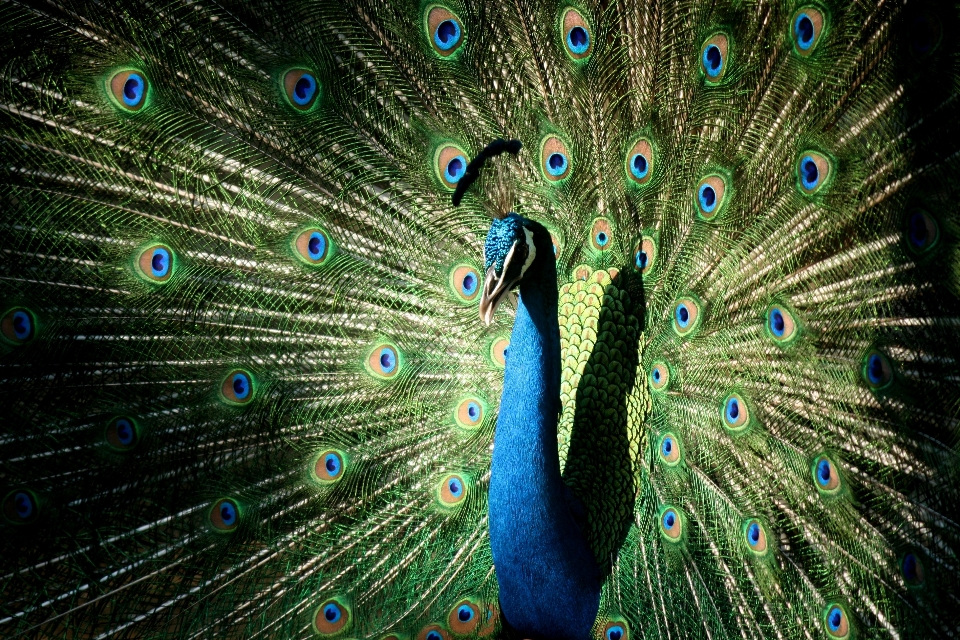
452,490
433,632
466,283
20,506
555,160
715,58
780,324
669,449
686,315
877,371
755,537
911,568
826,476
711,192
129,89
328,466
735,413
639,162
925,32
922,231
225,514
659,376
156,263
18,326
450,165
498,352
577,35
445,31
836,622
645,255
313,246
384,361
813,172
238,387
301,89
806,29
671,524
332,617
465,617
616,630
469,413
601,235
121,433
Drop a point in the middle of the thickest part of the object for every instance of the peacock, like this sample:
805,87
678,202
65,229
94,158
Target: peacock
434,319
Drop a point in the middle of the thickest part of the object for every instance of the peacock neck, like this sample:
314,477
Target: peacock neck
548,579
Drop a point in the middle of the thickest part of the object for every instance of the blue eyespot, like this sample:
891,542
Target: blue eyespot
683,315
237,387
447,34
332,464
578,40
455,169
316,245
133,89
712,60
707,197
615,633
456,489
16,326
388,361
304,89
777,325
753,534
877,370
433,635
473,410
331,613
331,617
225,515
241,386
124,431
640,260
669,519
639,166
912,569
657,375
452,490
601,239
835,620
328,466
156,263
733,410
826,476
20,506
160,262
809,173
666,448
557,164
803,30
469,284
465,613
824,473
923,231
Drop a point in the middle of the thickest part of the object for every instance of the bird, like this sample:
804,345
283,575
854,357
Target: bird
679,362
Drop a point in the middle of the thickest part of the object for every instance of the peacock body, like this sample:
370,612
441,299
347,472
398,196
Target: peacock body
246,391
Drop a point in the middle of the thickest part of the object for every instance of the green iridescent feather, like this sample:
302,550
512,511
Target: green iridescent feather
274,417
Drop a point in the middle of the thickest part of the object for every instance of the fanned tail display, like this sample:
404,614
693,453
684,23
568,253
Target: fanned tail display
245,385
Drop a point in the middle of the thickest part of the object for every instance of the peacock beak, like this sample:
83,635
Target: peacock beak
494,289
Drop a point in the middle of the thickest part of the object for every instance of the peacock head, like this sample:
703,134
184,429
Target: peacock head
508,253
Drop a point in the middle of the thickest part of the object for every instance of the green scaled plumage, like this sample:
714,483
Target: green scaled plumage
245,391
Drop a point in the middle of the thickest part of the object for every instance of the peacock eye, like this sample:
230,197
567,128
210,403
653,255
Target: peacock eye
465,282
433,632
328,466
156,263
669,449
780,324
912,570
554,159
877,371
129,89
301,88
20,507
925,35
835,621
225,515
807,27
498,352
615,631
451,165
659,376
237,387
640,162
313,246
713,58
922,231
601,234
736,415
17,326
384,361
469,413
671,525
755,536
710,196
813,171
686,316
825,475
576,35
121,434
444,30
452,490
331,617
464,618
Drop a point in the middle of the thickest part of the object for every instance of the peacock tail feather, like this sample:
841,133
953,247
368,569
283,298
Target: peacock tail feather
245,391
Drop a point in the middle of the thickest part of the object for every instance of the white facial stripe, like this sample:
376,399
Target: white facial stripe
531,253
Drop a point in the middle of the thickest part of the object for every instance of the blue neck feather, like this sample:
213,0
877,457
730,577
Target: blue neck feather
548,577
